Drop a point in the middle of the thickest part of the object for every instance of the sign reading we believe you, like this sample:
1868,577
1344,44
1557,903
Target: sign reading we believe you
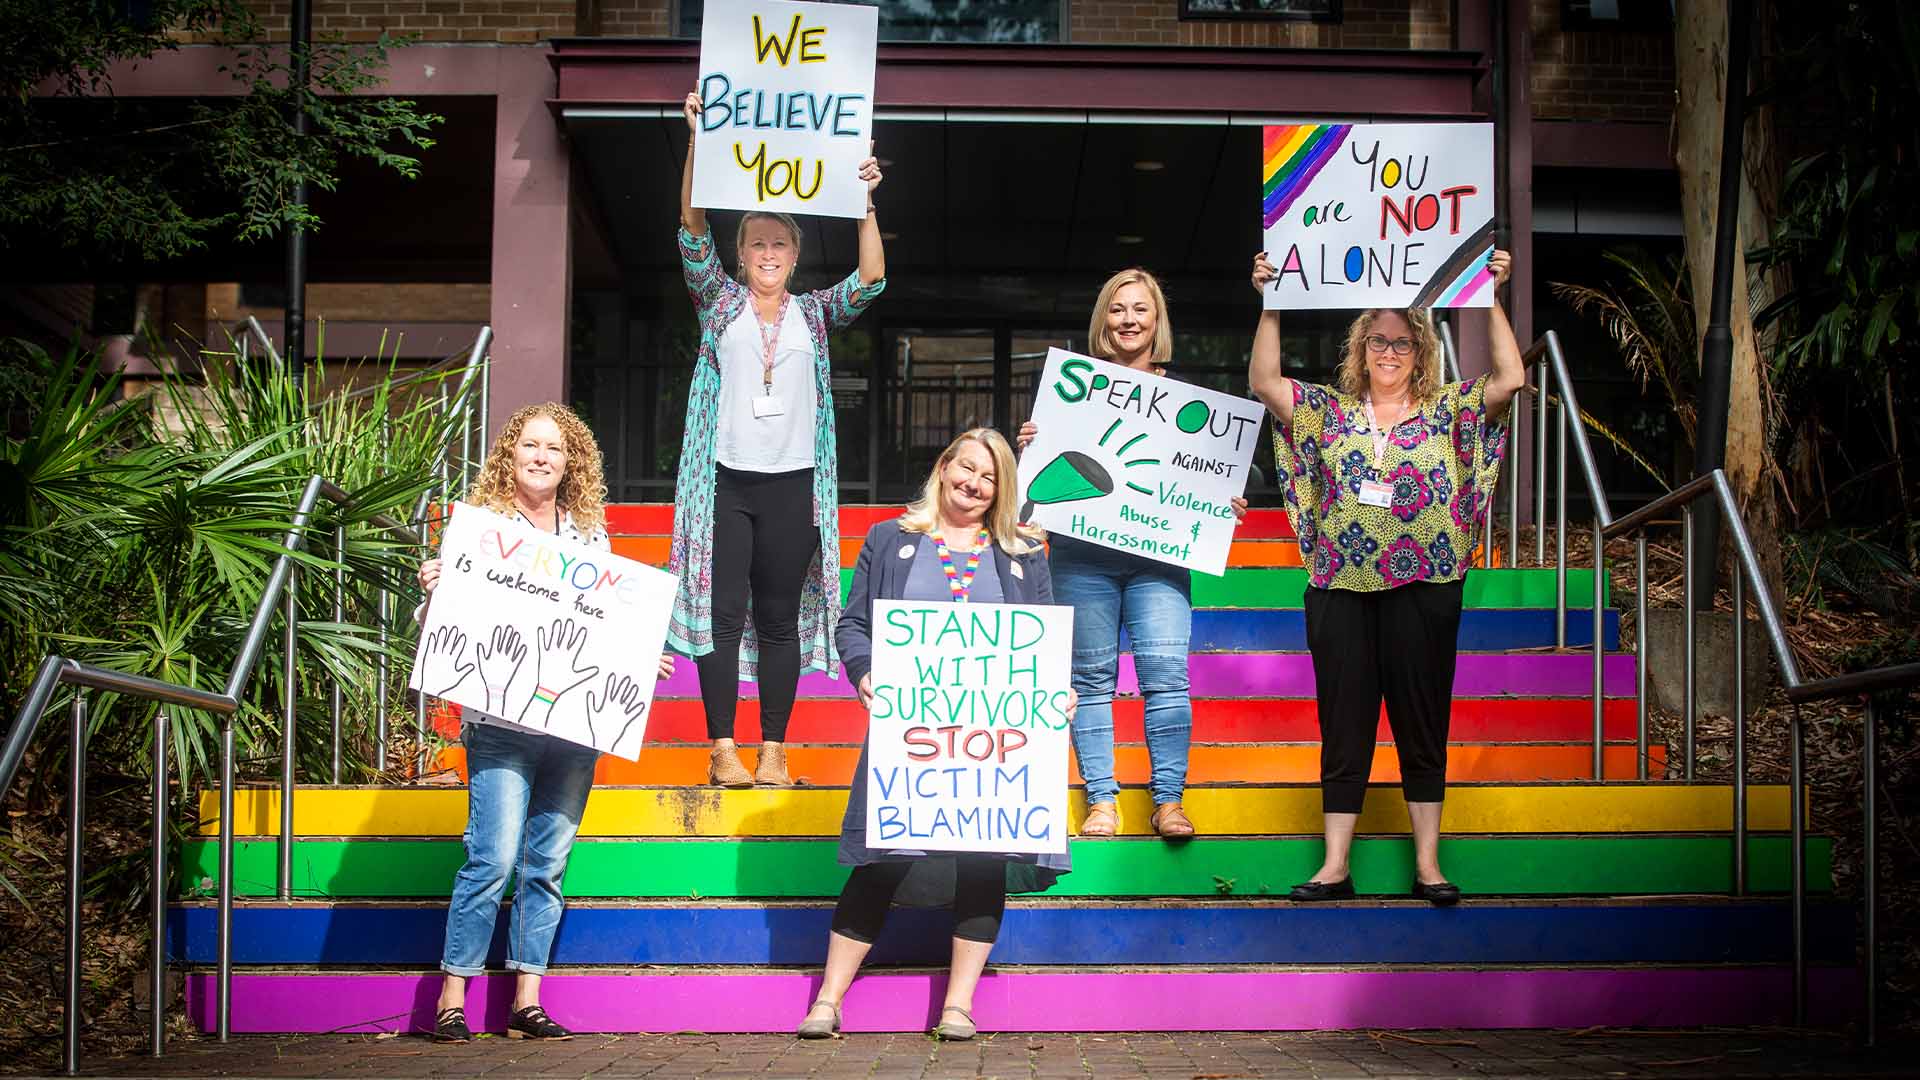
1378,215
550,635
786,107
967,732
1136,461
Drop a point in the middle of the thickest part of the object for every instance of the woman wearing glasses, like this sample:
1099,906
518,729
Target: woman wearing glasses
1387,477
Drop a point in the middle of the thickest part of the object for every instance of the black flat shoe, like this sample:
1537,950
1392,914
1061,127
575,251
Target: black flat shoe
533,1022
1441,894
450,1026
1313,891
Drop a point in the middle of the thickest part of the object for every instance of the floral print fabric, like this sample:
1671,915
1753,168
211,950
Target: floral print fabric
1441,465
718,299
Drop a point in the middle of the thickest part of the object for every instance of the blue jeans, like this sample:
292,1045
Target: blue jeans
525,794
1109,589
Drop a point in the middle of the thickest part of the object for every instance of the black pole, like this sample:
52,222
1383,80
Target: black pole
1502,150
294,338
1716,348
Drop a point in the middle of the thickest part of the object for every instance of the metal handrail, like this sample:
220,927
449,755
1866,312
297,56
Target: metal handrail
55,671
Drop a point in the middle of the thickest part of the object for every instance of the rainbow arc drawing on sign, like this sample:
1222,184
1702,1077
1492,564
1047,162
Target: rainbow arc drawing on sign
1293,155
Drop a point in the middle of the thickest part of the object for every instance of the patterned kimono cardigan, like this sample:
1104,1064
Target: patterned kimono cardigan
718,299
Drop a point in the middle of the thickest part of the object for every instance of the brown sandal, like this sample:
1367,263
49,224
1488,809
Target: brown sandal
1103,819
1170,821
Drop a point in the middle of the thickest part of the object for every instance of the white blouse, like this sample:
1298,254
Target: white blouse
782,441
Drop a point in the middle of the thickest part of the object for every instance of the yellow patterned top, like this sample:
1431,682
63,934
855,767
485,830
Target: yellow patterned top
1442,463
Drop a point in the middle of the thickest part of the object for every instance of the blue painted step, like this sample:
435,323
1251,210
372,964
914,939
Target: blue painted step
1236,932
1481,630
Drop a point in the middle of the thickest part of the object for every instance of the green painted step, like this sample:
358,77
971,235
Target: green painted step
1283,586
1519,865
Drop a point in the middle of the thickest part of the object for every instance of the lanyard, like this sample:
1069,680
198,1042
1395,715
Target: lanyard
770,342
961,586
1373,428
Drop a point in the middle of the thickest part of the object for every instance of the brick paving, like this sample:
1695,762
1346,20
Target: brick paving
1158,1056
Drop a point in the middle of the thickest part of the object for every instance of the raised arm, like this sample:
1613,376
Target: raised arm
1509,370
873,256
692,218
1264,376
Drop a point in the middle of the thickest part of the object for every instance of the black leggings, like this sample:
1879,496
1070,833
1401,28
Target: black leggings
763,537
979,898
1400,644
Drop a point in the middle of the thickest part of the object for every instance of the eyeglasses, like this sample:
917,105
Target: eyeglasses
1401,346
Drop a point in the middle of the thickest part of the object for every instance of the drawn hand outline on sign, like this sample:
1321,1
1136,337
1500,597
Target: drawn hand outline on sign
552,666
500,667
443,655
624,696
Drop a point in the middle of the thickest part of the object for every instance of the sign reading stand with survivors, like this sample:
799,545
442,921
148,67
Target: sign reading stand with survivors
1378,215
1137,462
967,733
550,635
786,107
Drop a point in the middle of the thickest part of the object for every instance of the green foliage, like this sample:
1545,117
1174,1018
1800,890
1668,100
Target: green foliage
139,534
148,179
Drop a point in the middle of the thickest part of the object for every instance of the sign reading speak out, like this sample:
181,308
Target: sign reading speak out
1136,461
1378,215
786,107
967,734
550,635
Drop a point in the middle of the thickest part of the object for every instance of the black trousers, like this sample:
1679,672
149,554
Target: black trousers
1400,644
764,540
979,898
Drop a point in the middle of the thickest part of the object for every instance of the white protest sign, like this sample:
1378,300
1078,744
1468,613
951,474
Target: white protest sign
551,635
1378,215
967,735
786,107
1136,461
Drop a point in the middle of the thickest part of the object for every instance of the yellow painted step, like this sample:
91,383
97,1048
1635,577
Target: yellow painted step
1217,811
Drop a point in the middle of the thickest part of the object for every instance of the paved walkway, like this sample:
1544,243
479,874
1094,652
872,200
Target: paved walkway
1194,1056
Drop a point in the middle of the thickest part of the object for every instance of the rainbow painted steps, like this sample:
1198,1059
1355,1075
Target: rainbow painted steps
1622,864
1277,810
1046,932
1025,999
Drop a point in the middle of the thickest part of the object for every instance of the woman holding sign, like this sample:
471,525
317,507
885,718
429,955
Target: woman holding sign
1387,477
525,791
958,542
1109,589
756,504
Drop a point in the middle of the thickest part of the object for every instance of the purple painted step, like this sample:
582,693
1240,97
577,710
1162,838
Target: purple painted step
1230,675
1081,1001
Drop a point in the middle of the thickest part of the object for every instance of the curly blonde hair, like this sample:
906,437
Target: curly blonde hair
1427,376
583,487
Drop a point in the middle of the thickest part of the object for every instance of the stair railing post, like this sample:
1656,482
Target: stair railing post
76,875
380,686
1599,650
337,693
1540,463
1560,528
157,971
1739,585
223,992
1640,653
290,675
1797,859
1687,622
1870,877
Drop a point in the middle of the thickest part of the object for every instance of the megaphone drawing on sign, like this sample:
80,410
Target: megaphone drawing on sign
1071,477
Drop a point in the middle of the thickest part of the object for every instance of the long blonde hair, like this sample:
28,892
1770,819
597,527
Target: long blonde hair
1002,520
583,487
1427,376
1101,345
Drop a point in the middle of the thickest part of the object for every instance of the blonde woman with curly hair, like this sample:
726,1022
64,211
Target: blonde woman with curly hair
525,791
1387,478
960,542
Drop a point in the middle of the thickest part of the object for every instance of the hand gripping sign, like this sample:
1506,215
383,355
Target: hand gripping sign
1378,215
786,107
550,635
1137,462
967,734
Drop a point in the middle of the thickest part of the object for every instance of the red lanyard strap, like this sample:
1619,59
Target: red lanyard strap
770,342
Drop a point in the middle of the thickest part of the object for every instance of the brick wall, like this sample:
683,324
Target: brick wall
1367,24
502,21
634,18
1599,74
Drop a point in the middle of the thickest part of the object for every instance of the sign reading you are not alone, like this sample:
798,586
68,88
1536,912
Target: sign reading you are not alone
786,107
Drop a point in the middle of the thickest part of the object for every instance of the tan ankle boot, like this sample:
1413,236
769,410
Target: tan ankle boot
772,770
724,768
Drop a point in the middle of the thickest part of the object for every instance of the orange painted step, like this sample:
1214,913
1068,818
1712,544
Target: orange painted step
686,766
655,550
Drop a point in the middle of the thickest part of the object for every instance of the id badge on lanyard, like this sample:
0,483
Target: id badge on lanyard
766,405
1374,492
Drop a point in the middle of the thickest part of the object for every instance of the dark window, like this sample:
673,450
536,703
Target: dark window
1020,21
1314,10
1616,14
